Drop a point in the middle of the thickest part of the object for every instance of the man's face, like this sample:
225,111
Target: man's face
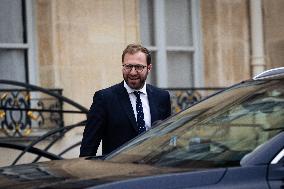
135,79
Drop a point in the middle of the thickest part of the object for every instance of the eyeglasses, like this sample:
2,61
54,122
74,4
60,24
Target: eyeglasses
137,67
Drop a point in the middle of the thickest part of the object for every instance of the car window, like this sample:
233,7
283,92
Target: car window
217,132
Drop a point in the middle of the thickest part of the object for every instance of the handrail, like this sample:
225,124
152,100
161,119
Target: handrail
48,134
32,150
33,87
32,111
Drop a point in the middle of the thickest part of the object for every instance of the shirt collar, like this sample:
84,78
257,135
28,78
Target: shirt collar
130,90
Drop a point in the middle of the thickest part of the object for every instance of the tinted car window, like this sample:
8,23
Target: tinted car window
217,132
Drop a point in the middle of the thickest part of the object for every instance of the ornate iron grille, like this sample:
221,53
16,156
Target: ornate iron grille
28,111
182,98
20,113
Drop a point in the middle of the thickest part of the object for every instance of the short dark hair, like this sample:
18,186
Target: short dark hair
134,48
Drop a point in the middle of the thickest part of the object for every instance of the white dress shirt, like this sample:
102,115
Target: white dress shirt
145,103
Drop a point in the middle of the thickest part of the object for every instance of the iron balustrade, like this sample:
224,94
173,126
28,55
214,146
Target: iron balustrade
182,98
19,112
28,111
24,113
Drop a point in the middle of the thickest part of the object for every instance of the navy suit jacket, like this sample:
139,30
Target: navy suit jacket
111,118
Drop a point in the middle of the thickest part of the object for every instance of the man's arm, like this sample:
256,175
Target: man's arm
95,125
168,105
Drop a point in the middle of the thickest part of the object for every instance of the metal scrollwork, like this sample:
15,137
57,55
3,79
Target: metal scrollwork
183,99
56,117
20,114
15,122
28,111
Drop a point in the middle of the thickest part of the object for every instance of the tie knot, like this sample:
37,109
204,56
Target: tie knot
137,94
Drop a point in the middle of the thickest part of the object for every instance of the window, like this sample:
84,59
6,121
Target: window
16,41
170,30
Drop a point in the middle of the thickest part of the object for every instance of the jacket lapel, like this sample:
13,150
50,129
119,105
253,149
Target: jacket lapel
126,104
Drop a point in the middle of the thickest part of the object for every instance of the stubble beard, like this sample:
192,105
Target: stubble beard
137,83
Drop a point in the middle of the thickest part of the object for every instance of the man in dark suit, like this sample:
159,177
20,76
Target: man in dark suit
123,111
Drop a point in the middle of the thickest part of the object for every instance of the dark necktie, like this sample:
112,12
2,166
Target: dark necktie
140,114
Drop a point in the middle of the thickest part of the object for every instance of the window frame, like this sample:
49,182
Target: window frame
28,45
161,49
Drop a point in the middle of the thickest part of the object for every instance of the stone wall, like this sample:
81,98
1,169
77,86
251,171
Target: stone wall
80,43
273,32
225,30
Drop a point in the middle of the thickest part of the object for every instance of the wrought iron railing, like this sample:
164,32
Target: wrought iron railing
182,98
28,111
31,112
19,111
31,148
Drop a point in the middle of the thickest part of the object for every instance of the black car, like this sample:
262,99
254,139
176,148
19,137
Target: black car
233,139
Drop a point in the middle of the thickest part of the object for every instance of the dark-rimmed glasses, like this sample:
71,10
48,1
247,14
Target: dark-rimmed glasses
137,67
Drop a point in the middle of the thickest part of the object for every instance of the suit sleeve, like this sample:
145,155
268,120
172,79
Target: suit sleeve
96,120
168,105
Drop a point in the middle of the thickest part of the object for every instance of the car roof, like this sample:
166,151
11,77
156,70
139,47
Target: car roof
271,73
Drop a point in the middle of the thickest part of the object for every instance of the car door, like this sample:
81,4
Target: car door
276,173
